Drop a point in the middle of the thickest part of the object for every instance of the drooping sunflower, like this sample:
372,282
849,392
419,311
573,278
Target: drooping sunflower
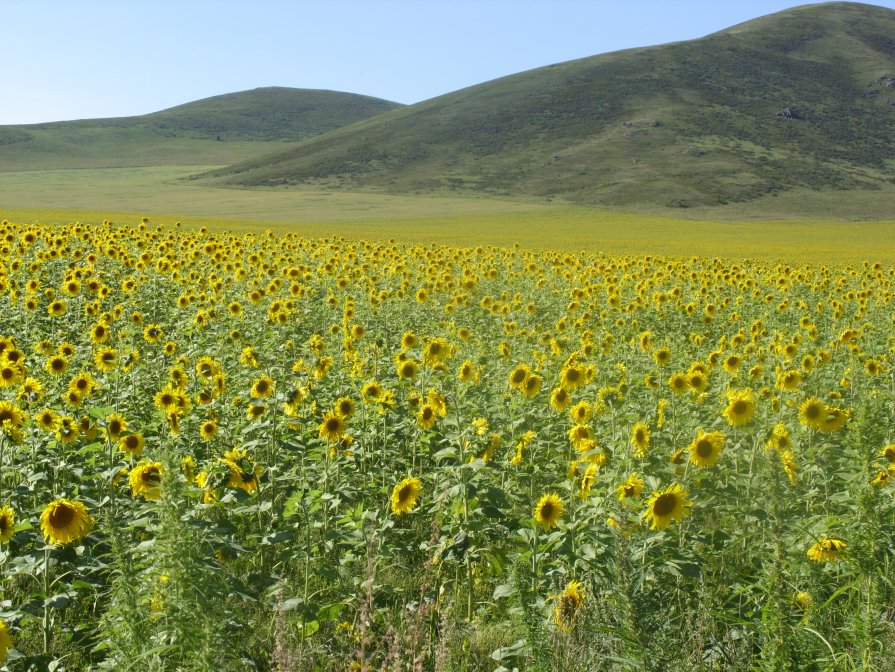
706,449
549,510
65,521
568,606
740,407
665,506
7,523
405,496
146,480
826,550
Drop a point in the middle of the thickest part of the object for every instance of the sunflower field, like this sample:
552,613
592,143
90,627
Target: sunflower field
257,451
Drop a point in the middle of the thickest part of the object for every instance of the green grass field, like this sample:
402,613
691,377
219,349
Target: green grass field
124,195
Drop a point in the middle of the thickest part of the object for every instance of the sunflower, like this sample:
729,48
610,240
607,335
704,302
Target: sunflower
812,412
532,385
740,407
208,430
697,381
166,399
407,369
549,510
68,431
244,472
466,372
262,387
47,420
889,453
65,521
426,417
826,550
405,495
581,412
99,333
587,480
706,448
106,359
630,488
115,426
518,375
7,523
146,480
568,606
678,383
83,384
344,407
732,363
152,333
332,428
665,506
662,356
5,641
11,373
834,420
254,411
560,399
131,445
409,341
571,378
640,437
56,365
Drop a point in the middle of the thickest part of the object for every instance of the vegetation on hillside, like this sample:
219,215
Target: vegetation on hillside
216,130
799,99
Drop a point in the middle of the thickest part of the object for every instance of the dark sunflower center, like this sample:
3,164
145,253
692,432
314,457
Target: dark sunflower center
7,373
61,516
57,364
332,425
664,504
812,411
739,407
518,377
115,427
151,476
547,511
131,442
572,375
405,494
704,448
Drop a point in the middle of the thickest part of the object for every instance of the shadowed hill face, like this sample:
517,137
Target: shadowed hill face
245,124
803,98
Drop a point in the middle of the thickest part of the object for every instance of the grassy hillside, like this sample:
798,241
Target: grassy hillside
687,124
218,130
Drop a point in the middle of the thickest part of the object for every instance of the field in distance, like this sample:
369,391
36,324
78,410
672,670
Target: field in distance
124,195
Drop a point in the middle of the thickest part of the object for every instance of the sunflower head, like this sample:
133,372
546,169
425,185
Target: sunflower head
7,523
549,510
405,495
666,506
65,521
569,604
146,480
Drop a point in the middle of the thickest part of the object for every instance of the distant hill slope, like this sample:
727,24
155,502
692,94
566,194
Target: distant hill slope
221,129
801,98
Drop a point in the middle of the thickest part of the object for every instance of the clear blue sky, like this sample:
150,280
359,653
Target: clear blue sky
73,59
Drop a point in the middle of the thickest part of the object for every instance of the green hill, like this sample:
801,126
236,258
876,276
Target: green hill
218,130
801,99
